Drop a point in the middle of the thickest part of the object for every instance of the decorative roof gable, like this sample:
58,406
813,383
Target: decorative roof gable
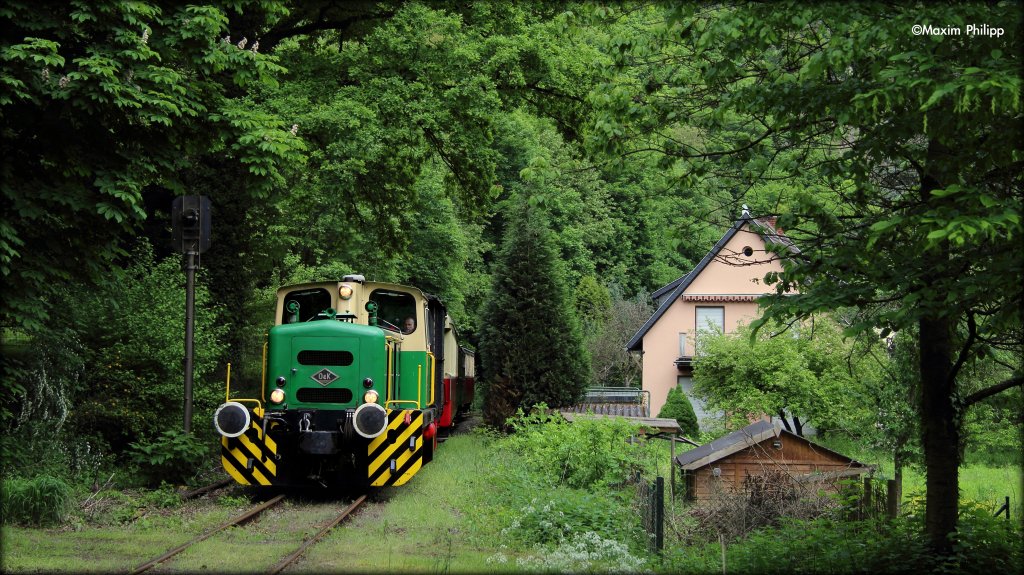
764,227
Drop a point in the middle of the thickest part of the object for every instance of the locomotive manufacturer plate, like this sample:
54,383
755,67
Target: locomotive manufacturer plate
324,376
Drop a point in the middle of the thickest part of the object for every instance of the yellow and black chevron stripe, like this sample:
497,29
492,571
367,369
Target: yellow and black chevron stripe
249,458
397,454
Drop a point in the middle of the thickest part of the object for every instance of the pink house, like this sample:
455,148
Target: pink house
720,293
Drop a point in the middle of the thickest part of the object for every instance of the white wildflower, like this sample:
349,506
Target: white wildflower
226,39
63,82
499,558
255,46
295,129
242,43
45,74
145,36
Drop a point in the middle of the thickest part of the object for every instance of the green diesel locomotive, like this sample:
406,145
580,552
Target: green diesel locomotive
359,378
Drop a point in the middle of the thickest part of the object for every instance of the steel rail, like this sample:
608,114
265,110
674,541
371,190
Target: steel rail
240,519
341,516
206,489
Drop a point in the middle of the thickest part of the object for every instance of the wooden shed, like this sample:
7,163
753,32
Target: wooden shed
758,449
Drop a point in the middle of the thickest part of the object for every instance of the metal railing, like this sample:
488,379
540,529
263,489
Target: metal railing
627,395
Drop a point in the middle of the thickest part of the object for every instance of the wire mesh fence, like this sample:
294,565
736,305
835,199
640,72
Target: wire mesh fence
650,505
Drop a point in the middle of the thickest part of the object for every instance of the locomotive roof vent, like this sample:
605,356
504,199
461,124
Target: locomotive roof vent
358,278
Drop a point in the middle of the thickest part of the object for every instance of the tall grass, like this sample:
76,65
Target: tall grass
985,484
43,500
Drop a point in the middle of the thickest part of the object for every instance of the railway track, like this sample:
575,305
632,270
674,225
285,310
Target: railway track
248,516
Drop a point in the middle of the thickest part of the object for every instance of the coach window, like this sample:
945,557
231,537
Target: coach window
393,308
303,305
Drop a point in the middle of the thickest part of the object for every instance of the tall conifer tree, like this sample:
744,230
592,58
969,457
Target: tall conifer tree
531,344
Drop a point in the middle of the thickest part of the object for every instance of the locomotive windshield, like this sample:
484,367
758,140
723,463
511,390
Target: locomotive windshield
394,309
303,305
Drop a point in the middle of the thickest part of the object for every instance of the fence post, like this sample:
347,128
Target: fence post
866,505
672,470
659,513
892,498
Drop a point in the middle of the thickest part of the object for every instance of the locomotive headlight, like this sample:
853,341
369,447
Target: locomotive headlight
277,396
371,396
345,291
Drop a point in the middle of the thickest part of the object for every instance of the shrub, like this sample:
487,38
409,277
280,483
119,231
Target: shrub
583,454
174,457
558,514
678,407
42,500
983,545
134,327
585,552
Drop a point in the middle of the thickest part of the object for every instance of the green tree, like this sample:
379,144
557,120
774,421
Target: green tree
907,150
102,102
593,303
133,388
804,374
677,406
610,364
531,348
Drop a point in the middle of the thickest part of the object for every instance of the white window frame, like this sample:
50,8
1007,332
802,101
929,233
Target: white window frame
702,326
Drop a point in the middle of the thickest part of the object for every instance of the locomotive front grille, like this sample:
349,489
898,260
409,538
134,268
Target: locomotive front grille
323,395
318,357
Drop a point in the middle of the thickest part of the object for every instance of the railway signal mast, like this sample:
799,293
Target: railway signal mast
190,227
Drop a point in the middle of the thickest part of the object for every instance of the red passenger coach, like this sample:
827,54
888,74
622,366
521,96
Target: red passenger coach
459,379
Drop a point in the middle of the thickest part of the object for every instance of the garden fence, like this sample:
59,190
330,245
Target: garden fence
650,504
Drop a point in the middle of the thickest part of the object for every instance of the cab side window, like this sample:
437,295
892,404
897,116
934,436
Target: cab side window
303,305
396,311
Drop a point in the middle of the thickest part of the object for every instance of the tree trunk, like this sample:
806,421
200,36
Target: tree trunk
940,432
799,427
785,422
899,458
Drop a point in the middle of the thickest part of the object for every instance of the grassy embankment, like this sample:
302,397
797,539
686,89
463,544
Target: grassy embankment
467,512
428,525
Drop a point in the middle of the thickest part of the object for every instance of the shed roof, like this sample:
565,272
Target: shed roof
739,440
768,232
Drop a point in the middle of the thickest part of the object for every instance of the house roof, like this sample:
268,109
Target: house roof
677,287
739,440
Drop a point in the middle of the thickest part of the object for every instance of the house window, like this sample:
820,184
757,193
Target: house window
682,344
709,320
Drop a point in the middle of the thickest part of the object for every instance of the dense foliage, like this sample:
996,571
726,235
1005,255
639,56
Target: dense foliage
530,341
131,93
892,158
804,374
540,166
